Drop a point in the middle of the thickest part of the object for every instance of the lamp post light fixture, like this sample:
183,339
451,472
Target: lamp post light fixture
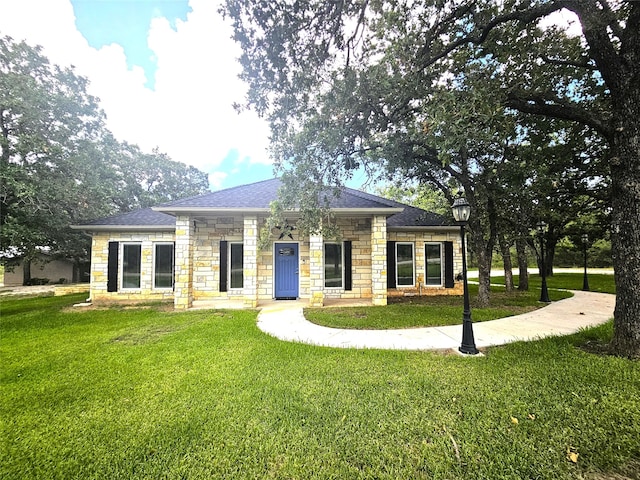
585,280
544,293
461,211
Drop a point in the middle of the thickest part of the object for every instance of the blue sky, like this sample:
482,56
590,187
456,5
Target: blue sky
127,23
166,74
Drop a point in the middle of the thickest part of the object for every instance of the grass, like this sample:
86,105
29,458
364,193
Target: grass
602,283
145,393
427,311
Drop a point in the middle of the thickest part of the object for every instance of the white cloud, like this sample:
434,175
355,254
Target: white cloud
565,19
189,115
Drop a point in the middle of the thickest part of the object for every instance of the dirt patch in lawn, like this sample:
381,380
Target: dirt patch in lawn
145,335
630,471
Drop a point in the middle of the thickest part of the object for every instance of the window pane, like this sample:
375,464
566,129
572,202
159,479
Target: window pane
404,263
237,278
434,264
164,266
332,265
131,255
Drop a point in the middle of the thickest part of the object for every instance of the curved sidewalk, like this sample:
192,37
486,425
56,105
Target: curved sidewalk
285,320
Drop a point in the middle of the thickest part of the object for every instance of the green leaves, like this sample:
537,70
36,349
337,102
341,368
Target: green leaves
60,165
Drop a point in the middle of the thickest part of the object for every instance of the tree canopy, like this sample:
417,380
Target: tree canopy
480,94
59,163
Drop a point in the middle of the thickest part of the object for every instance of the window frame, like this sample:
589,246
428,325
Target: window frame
426,265
173,264
324,265
124,245
413,265
230,265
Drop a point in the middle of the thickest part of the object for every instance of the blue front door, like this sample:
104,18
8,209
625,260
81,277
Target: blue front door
286,270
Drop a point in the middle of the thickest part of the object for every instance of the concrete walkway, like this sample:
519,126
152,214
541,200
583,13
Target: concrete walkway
285,320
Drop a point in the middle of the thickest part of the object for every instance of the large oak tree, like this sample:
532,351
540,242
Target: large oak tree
339,79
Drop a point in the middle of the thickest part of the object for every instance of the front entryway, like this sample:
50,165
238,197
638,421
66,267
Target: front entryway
286,271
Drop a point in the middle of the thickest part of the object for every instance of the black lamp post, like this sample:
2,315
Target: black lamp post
585,280
461,211
544,293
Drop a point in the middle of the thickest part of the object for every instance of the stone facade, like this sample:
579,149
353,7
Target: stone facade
197,261
100,259
316,271
250,261
419,239
379,260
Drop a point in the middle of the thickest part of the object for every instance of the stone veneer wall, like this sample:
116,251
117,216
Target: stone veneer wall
368,271
419,239
316,271
183,284
379,270
99,263
358,231
250,265
206,255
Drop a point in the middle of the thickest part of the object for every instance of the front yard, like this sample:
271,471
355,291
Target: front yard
146,393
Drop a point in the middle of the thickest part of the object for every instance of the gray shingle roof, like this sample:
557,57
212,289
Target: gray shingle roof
258,196
145,217
252,196
416,217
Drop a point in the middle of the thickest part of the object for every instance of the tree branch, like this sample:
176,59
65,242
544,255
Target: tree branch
595,23
556,108
480,33
568,63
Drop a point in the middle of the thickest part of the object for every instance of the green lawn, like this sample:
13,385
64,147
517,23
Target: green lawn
429,311
145,393
573,281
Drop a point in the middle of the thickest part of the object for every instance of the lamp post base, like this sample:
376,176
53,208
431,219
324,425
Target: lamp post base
468,346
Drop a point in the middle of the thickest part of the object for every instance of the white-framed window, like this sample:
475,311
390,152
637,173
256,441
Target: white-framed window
163,265
131,265
433,264
333,265
405,265
236,265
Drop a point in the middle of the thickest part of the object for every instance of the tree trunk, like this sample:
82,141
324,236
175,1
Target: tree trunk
483,249
505,251
484,277
523,265
620,73
625,201
550,253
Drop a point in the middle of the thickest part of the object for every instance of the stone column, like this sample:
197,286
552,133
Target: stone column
183,285
250,262
379,260
316,271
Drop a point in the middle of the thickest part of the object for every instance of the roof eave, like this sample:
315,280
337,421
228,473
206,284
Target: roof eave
200,210
368,211
448,228
125,228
